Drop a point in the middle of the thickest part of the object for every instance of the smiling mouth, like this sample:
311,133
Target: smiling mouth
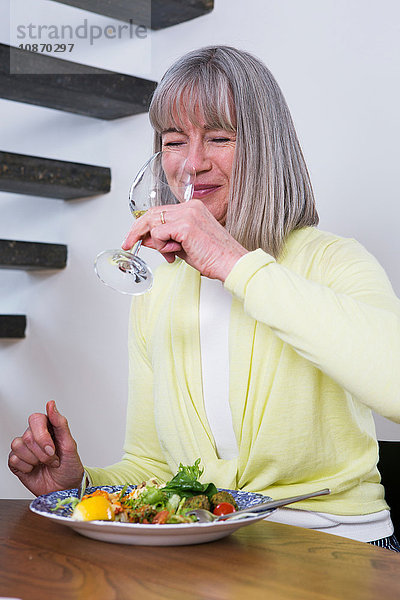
203,190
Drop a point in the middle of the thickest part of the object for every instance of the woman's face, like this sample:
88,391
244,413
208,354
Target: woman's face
209,153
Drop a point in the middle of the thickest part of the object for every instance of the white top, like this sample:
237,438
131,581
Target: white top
214,315
363,528
215,307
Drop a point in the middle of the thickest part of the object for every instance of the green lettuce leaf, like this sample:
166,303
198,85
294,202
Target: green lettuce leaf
186,482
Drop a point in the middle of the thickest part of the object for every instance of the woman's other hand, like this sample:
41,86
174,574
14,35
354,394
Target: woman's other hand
190,232
45,457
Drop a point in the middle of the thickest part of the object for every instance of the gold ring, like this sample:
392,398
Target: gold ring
162,217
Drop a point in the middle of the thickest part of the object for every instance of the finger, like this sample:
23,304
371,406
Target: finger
148,222
168,237
134,235
21,450
39,435
62,434
16,465
139,229
33,446
170,257
168,247
130,240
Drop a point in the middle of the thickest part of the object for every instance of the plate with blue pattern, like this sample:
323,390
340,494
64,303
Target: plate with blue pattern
147,534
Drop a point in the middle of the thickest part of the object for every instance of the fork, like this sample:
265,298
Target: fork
205,516
81,488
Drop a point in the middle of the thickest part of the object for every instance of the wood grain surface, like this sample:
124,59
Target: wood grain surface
41,560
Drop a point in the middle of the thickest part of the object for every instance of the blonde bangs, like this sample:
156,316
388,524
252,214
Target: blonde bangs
204,101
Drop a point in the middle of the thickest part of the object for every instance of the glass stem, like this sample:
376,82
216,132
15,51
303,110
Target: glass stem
136,248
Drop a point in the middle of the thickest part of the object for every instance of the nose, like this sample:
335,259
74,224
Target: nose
197,158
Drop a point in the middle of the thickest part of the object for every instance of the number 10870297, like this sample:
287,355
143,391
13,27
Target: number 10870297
47,47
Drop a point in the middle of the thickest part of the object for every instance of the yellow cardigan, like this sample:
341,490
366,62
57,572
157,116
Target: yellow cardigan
314,346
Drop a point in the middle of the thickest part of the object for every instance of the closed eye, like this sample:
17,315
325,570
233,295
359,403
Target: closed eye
172,144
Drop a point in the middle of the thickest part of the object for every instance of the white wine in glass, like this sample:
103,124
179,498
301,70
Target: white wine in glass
164,179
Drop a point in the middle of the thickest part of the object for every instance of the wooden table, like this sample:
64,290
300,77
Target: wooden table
42,560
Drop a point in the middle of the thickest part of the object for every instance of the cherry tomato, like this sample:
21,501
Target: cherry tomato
224,508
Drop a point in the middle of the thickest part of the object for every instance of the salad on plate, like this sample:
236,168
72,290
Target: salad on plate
152,513
151,502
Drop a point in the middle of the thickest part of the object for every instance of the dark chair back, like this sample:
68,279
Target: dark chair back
389,468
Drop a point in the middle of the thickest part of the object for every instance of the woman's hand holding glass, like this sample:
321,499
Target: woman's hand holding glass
164,180
190,232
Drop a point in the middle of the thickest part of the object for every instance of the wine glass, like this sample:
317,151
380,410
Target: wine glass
164,179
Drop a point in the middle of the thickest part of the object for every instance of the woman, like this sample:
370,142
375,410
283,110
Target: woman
264,343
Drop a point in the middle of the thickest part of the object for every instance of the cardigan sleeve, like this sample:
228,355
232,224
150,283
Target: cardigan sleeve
143,457
345,318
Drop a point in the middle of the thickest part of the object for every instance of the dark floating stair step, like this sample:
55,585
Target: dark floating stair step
47,81
12,326
32,255
38,176
156,14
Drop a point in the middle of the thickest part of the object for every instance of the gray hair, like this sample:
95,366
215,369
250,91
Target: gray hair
271,193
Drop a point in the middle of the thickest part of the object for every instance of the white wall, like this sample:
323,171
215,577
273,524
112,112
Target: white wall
338,64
